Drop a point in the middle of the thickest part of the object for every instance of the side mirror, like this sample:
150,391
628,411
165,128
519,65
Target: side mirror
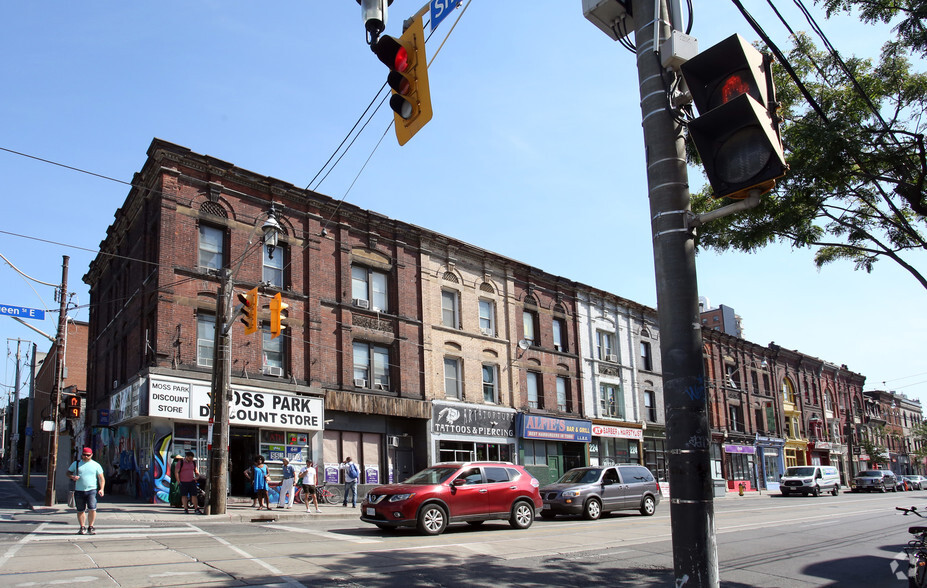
460,482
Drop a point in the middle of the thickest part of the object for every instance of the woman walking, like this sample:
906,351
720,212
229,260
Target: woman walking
259,482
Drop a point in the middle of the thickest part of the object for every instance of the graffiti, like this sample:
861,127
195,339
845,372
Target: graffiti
697,442
696,391
160,473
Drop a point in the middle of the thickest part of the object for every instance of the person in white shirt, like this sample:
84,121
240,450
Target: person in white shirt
286,487
309,477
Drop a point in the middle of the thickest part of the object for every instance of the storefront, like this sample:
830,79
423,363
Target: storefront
769,461
158,416
741,466
551,446
612,445
468,432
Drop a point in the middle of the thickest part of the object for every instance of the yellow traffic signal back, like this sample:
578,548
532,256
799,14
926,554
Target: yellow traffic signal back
408,78
737,134
249,310
277,315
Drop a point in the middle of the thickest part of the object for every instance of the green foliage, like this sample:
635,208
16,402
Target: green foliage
912,14
919,438
856,189
875,452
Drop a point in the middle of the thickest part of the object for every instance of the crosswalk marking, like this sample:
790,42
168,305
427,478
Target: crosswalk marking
324,534
56,533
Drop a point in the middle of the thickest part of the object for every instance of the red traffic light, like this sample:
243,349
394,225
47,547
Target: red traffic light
739,82
392,53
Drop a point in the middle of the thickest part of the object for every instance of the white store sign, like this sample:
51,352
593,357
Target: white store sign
185,399
617,432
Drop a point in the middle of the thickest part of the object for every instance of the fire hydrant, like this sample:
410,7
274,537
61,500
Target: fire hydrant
740,489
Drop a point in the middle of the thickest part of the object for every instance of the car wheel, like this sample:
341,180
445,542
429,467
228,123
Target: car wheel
816,491
475,523
648,506
522,515
836,490
895,487
432,520
883,489
592,509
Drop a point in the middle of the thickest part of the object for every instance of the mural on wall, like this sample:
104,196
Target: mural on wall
159,468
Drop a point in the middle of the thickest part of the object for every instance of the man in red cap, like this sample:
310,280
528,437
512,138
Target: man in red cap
88,483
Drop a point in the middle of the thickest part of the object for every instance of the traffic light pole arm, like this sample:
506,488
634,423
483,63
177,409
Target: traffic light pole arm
236,312
696,220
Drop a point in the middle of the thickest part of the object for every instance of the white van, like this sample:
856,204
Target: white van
812,479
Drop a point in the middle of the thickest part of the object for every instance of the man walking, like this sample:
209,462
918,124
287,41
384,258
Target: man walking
286,487
88,484
351,475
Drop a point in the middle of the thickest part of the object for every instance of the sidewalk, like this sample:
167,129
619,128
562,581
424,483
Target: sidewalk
117,507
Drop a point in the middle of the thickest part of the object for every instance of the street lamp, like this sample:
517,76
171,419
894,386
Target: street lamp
221,393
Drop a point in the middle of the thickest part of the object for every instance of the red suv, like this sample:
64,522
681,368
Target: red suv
470,492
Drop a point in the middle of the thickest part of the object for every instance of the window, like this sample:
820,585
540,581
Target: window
211,242
368,288
530,324
650,405
487,317
490,383
272,352
788,391
535,393
452,377
371,366
736,421
611,400
205,339
646,359
606,346
563,402
273,266
559,334
449,308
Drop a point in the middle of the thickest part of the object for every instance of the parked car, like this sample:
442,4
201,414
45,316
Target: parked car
875,480
916,482
812,479
471,492
592,491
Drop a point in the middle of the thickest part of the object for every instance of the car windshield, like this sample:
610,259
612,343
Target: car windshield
799,472
431,476
580,476
870,474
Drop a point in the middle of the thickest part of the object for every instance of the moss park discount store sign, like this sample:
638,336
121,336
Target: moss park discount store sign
189,400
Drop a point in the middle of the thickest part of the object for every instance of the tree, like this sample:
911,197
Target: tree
913,13
870,447
856,189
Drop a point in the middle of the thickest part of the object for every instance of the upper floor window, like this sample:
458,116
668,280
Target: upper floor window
605,346
273,266
371,366
563,394
272,351
211,246
788,391
452,388
559,332
490,383
449,309
205,339
535,392
369,288
611,400
530,325
650,406
487,317
646,357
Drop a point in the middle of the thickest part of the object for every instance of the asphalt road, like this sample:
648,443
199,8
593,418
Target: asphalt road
848,540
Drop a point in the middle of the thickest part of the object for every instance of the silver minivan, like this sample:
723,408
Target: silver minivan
812,479
592,491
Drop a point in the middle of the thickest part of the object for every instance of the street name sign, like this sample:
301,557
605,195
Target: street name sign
21,312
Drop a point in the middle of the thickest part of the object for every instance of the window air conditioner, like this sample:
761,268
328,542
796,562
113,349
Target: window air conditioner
360,303
273,370
393,441
611,358
360,383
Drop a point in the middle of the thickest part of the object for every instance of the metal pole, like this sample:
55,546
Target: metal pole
219,405
56,392
27,450
695,557
14,446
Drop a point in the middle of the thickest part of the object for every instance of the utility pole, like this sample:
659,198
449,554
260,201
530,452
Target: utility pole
695,556
220,400
56,392
27,450
14,446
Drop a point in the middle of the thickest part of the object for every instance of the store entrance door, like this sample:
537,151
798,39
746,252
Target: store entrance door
243,449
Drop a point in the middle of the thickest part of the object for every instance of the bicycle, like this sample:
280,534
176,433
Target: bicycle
916,551
323,493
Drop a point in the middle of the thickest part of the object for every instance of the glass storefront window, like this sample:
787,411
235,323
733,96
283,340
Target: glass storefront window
610,451
467,451
191,437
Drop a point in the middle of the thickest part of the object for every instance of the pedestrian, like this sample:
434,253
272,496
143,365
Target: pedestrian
259,481
308,476
174,495
286,487
88,484
188,473
351,476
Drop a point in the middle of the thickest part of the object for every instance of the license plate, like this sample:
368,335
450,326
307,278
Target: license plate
545,505
371,512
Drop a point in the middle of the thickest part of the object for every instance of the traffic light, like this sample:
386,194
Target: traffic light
72,406
277,315
737,134
408,78
249,310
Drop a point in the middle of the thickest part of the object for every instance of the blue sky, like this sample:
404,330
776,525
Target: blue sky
534,152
